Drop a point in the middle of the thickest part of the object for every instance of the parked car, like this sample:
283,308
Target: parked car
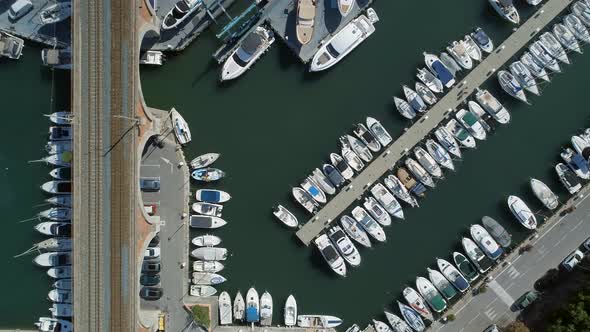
150,293
151,253
572,260
149,184
526,300
150,267
149,279
19,9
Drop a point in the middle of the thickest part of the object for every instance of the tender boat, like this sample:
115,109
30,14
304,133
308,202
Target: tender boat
202,290
345,6
473,50
303,198
368,223
250,50
471,123
483,40
204,160
465,266
252,306
60,133
239,309
56,13
334,175
367,137
313,189
355,231
323,182
524,76
54,228
453,275
61,173
46,324
544,194
388,201
577,27
568,178
553,47
448,141
404,108
181,130
53,259
536,69
458,51
344,246
543,57
477,257
377,211
582,11
511,86
207,279
208,222
65,284
485,241
285,216
181,11
424,92
56,214
60,272
57,187
506,9
417,303
207,266
450,63
351,158
341,166
381,326
358,147
210,254
266,309
347,39
379,131
430,294
441,71
290,312
460,133
398,324
225,309
566,38
207,209
411,317
306,11
497,231
207,174
60,200
419,172
428,162
332,257
431,81
206,240
414,99
522,212
415,187
57,58
576,162
318,321
439,154
442,284
212,196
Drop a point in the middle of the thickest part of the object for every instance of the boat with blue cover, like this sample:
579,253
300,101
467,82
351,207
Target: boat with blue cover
483,40
439,69
414,99
368,223
212,196
453,275
333,175
252,306
576,162
314,190
411,317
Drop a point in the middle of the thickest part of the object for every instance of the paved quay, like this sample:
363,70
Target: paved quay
417,132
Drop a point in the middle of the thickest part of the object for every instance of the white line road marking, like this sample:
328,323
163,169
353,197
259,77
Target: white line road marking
577,225
149,165
491,314
513,273
472,319
505,297
463,307
491,303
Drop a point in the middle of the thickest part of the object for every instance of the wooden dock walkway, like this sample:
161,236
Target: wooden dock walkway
439,112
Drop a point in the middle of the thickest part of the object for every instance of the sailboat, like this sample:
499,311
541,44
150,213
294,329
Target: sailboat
180,127
355,231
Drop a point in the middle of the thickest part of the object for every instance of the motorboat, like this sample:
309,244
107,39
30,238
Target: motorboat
427,162
252,306
465,267
318,321
367,137
212,196
63,159
577,27
477,257
400,190
431,81
151,57
460,133
419,172
417,303
473,50
305,199
63,310
425,94
568,178
210,253
483,40
56,13
207,222
239,309
65,284
439,154
483,117
204,160
345,7
225,308
46,324
442,285
342,166
582,11
566,37
543,57
10,46
207,174
544,194
536,69
388,201
54,228
380,326
414,99
351,158
254,45
368,223
496,230
576,162
180,12
61,173
344,246
313,190
471,123
379,131
415,187
331,255
285,216
450,63
506,9
441,71
522,212
55,244
53,259
266,309
457,49
581,145
553,47
430,294
524,77
202,290
207,266
180,127
57,187
448,141
355,231
60,200
57,58
207,209
53,147
404,108
377,211
358,147
398,324
344,41
61,133
60,118
412,317
57,214
453,275
511,86
334,175
306,12
206,240
485,241
533,2
207,279
290,312
60,272
323,182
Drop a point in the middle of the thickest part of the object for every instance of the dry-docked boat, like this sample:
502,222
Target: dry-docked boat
419,172
377,211
473,50
566,37
431,295
212,196
537,69
355,231
412,317
428,162
465,266
388,201
239,309
417,303
368,223
568,178
204,160
313,190
331,255
210,254
225,308
522,212
476,256
524,77
266,309
346,248
318,321
351,158
553,47
497,231
306,11
207,174
323,182
10,46
285,216
206,240
303,198
424,92
379,131
485,241
181,11
458,51
207,266
448,141
334,175
439,154
399,190
511,86
251,49
544,194
506,9
290,311
460,133
577,27
441,283
207,209
431,81
358,147
208,222
341,166
367,137
453,275
404,108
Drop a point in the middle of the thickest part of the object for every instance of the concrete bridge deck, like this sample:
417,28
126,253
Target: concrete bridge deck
438,113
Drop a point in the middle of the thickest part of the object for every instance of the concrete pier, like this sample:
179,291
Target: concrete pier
442,110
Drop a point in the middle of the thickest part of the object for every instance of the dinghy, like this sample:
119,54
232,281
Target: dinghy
206,240
201,290
210,254
204,160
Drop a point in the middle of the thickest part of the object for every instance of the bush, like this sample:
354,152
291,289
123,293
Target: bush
201,315
451,317
516,326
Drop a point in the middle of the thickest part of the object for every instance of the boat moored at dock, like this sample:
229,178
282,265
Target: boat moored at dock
250,50
181,130
377,211
489,246
522,212
553,47
207,174
431,295
208,222
577,27
431,81
225,308
404,108
441,283
477,257
207,209
506,10
367,137
56,13
419,172
210,254
355,231
465,266
524,76
323,182
566,37
332,257
439,154
536,69
471,122
568,178
497,231
252,306
511,86
290,312
398,324
388,201
46,324
10,46
368,223
305,199
204,160
417,303
441,71
212,196
180,12
318,321
453,275
411,317
346,248
341,166
448,141
483,40
543,57
379,131
544,194
285,216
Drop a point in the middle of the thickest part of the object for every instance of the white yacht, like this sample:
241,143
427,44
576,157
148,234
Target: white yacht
511,86
399,190
404,108
290,312
431,81
180,127
553,47
314,190
330,254
524,77
535,68
46,324
506,9
343,42
419,172
522,212
581,145
543,57
379,131
303,198
368,223
473,50
150,57
10,46
355,231
56,13
471,123
204,160
323,182
428,162
439,154
414,99
485,241
458,50
285,216
344,246
377,211
181,11
568,178
544,194
460,134
318,322
425,93
351,158
225,309
577,27
305,21
387,200
357,146
566,37
367,137
250,50
448,141
491,105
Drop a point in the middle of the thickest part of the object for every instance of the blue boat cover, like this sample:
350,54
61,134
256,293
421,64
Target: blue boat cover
252,315
314,191
210,196
442,72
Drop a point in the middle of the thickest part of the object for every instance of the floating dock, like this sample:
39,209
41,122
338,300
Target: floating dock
387,160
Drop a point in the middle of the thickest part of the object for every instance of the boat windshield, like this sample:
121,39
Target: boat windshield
469,119
481,37
330,254
332,51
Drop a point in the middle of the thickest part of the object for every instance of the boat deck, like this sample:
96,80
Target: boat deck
282,16
438,113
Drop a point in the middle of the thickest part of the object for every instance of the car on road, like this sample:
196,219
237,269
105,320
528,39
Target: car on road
149,279
526,300
150,267
151,253
150,293
492,328
150,185
572,260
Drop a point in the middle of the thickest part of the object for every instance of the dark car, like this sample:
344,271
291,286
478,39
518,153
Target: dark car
149,279
149,184
526,300
150,293
150,267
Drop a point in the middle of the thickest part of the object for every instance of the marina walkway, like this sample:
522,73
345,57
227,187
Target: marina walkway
439,112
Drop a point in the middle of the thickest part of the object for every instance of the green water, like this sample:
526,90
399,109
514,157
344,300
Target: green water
276,124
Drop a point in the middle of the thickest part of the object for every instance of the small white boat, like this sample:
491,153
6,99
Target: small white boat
305,20
251,49
448,141
57,187
511,86
576,162
305,199
411,317
357,146
441,283
414,99
60,200
210,254
453,275
439,154
180,127
522,212
568,178
323,182
424,92
417,303
388,201
180,12
398,324
202,290
404,108
379,131
496,230
431,81
207,279
346,248
155,58
566,37
55,244
426,161
56,13
207,209
351,158
377,211
341,165
485,241
553,47
345,6
543,57
476,256
331,255
53,259
577,27
355,231
60,272
207,266
368,223
212,196
63,159
207,174
313,189
381,326
290,312
266,309
60,296
46,324
61,118
506,9
471,123
61,173
544,194
285,216
483,40
419,172
62,310
53,228
458,50
399,190
318,321
580,144
204,160
473,50
524,77
431,295
225,309
206,240
65,284
537,69
460,133
367,137
57,214
208,222
239,307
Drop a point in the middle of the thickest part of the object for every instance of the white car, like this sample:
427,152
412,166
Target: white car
572,260
151,253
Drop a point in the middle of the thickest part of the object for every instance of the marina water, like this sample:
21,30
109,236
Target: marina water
276,124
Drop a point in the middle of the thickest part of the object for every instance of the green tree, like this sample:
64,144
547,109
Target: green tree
516,326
